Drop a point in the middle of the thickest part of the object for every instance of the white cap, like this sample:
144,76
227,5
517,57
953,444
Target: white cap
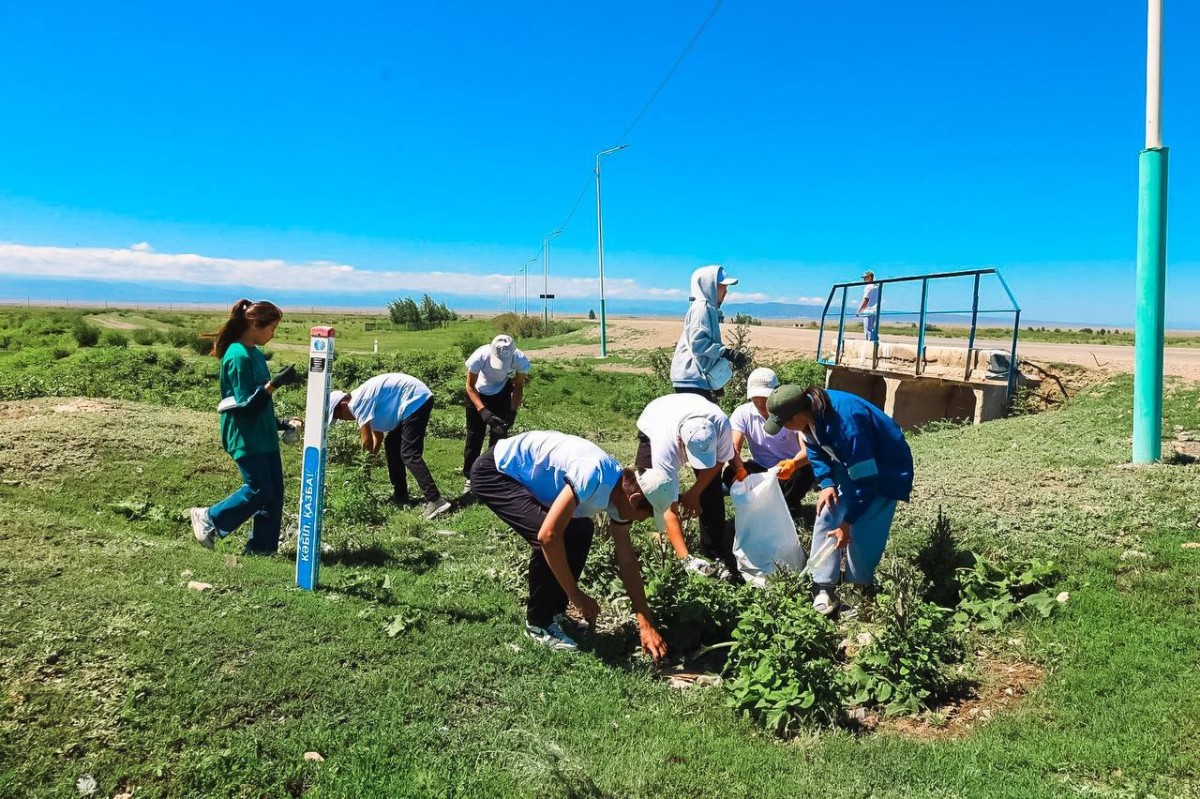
699,436
335,399
501,356
724,279
660,491
761,382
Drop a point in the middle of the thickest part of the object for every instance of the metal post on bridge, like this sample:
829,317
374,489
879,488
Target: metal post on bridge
974,322
921,332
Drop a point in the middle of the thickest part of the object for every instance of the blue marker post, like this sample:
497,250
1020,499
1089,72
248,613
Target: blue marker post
312,479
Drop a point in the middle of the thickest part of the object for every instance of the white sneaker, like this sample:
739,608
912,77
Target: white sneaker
823,603
203,527
467,486
552,636
695,565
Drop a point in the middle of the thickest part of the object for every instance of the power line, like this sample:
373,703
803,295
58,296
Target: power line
687,49
671,72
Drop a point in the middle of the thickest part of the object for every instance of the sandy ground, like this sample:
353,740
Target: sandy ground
629,335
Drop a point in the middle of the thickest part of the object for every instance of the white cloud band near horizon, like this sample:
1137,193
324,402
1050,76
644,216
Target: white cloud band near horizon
140,264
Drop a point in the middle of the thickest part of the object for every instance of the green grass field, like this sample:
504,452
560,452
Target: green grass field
408,671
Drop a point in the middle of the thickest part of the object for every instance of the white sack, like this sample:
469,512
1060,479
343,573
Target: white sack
765,535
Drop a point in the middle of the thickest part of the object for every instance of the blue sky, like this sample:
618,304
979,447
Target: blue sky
360,150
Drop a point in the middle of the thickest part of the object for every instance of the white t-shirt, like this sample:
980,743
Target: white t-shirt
871,295
764,449
660,422
491,379
545,462
387,400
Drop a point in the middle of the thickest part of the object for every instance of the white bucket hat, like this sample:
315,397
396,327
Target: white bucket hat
761,382
660,491
502,351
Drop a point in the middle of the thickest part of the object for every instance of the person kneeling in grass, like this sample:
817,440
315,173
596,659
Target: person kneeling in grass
785,449
546,486
392,411
863,466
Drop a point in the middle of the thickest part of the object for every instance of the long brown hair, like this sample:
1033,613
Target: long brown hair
816,400
243,315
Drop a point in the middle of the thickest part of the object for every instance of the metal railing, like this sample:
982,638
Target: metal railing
923,314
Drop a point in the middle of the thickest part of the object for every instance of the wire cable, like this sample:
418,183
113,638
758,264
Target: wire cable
687,49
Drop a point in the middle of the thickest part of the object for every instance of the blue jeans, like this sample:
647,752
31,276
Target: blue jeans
260,498
868,537
871,327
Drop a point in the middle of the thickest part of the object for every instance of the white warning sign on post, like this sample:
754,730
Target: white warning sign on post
312,476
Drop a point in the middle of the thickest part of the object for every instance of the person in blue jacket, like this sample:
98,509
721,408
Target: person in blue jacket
863,466
702,363
249,430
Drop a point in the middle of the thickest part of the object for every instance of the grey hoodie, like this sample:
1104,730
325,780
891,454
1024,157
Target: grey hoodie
700,347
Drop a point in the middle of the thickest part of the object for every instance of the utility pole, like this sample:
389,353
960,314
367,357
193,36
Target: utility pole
600,251
1149,333
546,296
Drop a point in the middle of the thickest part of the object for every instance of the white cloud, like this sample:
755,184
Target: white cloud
140,264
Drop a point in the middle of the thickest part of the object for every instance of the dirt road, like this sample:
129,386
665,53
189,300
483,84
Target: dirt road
628,335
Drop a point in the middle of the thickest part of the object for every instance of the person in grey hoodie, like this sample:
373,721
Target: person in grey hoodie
702,363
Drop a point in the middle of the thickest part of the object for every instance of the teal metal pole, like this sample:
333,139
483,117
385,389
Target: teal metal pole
1151,294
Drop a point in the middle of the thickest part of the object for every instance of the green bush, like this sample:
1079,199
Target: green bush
114,338
521,327
994,594
692,611
204,346
351,500
800,372
85,335
467,343
145,336
904,666
784,660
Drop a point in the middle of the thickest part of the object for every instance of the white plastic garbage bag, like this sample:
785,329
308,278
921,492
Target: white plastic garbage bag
765,535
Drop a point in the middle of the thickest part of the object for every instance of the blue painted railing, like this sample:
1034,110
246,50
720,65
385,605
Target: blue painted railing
924,313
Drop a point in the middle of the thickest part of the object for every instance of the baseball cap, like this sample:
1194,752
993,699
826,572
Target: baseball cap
699,436
868,274
335,399
784,403
502,352
660,491
724,279
761,382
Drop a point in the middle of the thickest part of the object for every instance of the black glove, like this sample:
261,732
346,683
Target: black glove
737,358
486,415
499,426
287,376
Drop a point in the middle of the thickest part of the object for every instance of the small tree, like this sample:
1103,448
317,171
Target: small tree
592,315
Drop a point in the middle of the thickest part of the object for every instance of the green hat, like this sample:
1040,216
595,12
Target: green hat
784,403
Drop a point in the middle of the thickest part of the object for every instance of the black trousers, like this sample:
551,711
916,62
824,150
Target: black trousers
500,404
404,447
716,542
519,509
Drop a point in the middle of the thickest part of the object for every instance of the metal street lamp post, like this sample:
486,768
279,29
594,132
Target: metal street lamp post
525,270
546,277
600,251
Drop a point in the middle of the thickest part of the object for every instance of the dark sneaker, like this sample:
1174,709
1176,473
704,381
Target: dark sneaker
435,508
